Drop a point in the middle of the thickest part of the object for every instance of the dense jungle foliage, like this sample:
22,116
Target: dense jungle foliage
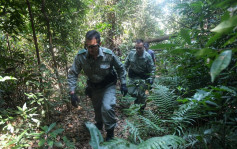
193,101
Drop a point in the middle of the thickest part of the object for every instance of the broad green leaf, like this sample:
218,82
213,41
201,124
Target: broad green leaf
58,131
163,46
181,51
41,142
220,63
51,127
19,108
226,25
37,135
45,128
20,136
58,144
50,143
212,103
185,35
231,40
206,52
68,143
213,39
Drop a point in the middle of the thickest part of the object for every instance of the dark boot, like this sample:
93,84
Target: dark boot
99,125
142,109
110,134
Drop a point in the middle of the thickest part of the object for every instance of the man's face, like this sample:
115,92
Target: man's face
139,48
92,46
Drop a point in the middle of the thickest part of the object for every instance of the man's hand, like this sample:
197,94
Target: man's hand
74,100
124,89
149,81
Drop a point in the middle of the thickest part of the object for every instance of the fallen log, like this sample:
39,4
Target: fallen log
161,38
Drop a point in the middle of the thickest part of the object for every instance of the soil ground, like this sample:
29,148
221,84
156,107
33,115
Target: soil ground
73,122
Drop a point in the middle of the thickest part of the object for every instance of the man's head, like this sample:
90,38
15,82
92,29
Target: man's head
146,45
139,47
92,43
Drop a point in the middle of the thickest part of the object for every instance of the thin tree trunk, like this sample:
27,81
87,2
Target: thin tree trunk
9,48
66,61
35,41
51,47
111,18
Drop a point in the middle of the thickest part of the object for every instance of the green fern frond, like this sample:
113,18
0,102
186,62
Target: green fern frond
134,131
184,116
151,125
119,144
186,113
152,116
198,136
165,142
163,98
96,137
171,82
211,135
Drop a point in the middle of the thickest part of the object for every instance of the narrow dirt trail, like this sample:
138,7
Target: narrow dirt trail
73,123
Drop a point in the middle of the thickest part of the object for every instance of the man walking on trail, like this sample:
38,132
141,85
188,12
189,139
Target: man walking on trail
99,65
141,69
151,52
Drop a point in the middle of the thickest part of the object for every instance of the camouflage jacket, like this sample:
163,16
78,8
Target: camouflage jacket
95,69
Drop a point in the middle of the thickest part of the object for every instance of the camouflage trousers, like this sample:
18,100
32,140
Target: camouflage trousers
137,89
104,100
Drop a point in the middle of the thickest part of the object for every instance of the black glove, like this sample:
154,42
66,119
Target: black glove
88,91
124,89
74,100
149,81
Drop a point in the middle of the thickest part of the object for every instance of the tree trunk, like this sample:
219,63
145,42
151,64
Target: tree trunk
112,21
35,41
51,47
66,61
9,46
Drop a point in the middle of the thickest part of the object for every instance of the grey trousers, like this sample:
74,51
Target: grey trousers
104,100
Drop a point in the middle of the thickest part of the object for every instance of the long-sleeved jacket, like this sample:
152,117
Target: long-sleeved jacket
140,65
95,69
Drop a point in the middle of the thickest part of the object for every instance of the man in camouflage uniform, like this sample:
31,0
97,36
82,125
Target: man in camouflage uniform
141,69
99,65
